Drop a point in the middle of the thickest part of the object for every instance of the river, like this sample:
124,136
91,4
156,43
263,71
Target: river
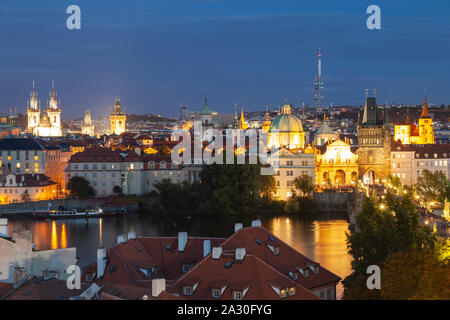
321,239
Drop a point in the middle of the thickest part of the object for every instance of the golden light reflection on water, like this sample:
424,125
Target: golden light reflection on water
321,241
63,236
100,231
54,236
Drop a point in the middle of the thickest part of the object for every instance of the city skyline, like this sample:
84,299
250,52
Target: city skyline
156,56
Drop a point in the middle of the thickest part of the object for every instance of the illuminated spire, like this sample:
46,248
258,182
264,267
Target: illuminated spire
425,113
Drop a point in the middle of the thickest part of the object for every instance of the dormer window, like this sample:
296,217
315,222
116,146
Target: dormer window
293,275
283,293
215,293
292,291
187,291
276,251
237,295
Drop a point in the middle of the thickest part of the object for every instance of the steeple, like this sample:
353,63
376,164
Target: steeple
425,113
243,124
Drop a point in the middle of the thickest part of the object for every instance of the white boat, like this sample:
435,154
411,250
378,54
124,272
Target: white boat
70,213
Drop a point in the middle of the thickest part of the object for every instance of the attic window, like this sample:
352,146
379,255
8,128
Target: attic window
237,295
138,249
292,291
168,247
258,241
276,251
283,293
112,268
271,238
228,264
293,275
215,293
187,291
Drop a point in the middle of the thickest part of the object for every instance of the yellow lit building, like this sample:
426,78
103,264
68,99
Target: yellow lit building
337,166
286,131
266,124
243,124
117,119
409,133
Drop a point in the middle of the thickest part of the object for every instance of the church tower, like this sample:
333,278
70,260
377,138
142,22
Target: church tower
242,123
54,114
117,119
87,127
426,132
374,139
33,111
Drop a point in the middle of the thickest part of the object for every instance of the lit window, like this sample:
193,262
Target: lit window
292,291
36,158
283,293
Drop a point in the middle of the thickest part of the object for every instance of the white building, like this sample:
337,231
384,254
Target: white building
288,166
18,260
47,124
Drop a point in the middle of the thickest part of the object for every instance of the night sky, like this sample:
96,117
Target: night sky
157,54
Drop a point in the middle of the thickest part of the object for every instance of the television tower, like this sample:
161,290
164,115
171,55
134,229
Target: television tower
318,83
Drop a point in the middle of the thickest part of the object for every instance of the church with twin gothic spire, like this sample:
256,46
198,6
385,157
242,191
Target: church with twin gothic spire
47,123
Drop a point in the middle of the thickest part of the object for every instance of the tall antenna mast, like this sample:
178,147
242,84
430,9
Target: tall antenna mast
318,83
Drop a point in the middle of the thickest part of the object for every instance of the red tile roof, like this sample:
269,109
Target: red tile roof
287,260
251,274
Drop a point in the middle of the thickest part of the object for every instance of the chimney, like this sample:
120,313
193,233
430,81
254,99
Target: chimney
131,235
238,226
216,253
182,241
206,247
240,254
158,286
101,262
4,228
121,239
256,223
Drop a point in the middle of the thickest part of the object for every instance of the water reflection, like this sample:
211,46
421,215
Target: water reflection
322,240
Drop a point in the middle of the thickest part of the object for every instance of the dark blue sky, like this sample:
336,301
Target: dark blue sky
157,54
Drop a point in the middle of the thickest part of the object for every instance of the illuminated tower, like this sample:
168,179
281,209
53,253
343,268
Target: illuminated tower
54,114
426,132
87,127
243,124
266,124
318,83
117,119
33,111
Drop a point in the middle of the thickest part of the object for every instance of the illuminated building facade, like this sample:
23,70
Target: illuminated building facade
286,131
49,123
374,152
26,187
117,119
267,122
409,133
337,166
87,127
290,165
325,134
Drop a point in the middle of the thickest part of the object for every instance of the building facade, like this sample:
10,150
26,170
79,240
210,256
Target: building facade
117,119
374,139
286,131
47,124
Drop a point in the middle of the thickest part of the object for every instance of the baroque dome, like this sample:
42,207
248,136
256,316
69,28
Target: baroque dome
286,122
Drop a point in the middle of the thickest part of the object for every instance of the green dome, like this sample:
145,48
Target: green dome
286,123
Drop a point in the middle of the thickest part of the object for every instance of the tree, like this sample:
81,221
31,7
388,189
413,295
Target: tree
80,188
382,231
433,186
292,206
117,190
305,185
164,150
415,274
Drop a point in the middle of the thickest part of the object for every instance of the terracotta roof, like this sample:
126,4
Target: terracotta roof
144,253
287,259
121,292
252,274
39,289
96,154
5,288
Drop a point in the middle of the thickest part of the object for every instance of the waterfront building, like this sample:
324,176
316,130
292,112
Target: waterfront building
105,169
19,260
88,126
286,131
374,139
409,133
211,268
409,161
26,187
290,165
117,119
337,166
160,167
47,124
32,156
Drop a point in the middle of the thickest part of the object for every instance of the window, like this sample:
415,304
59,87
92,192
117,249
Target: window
329,294
237,295
215,293
292,291
283,293
187,291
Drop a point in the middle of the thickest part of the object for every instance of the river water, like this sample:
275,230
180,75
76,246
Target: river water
321,239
